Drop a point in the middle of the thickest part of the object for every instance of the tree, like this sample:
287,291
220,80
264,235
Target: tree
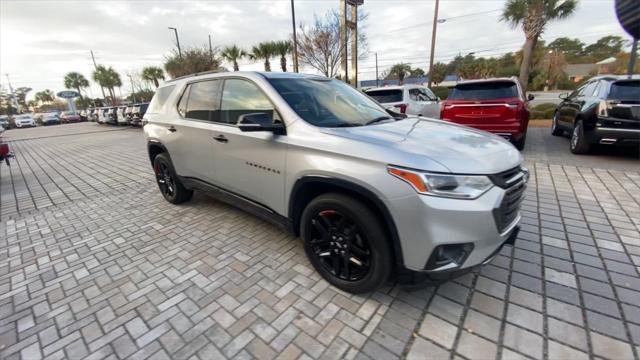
143,95
232,54
283,48
107,77
75,80
21,96
438,73
263,51
397,72
44,96
417,72
571,48
605,47
533,16
319,44
152,74
194,60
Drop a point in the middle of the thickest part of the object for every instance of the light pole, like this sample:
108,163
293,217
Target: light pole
295,40
376,69
133,90
177,41
433,40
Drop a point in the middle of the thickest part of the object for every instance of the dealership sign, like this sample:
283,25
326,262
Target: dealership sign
68,94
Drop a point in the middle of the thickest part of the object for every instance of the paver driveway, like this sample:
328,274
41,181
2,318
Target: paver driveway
95,264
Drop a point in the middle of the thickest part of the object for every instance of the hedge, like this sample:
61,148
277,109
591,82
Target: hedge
543,111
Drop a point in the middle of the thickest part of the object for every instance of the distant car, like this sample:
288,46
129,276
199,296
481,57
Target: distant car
50,119
407,99
111,116
4,121
605,110
494,105
138,113
128,111
24,121
69,117
122,119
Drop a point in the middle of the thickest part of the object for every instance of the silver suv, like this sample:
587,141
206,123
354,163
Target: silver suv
368,190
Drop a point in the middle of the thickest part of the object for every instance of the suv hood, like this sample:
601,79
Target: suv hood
460,149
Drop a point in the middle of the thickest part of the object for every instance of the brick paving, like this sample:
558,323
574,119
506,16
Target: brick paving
94,264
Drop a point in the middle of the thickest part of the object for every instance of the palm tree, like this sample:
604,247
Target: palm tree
283,48
152,74
263,51
45,96
399,71
233,54
533,16
107,77
74,80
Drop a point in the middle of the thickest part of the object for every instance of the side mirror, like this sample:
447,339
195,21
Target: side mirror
530,97
259,122
563,96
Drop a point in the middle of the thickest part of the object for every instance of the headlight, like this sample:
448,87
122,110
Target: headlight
444,185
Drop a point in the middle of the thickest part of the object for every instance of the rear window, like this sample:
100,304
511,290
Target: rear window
160,97
484,91
625,90
385,96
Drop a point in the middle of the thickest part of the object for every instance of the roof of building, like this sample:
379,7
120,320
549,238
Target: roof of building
573,70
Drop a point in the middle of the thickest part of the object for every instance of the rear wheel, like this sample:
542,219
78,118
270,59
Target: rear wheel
168,182
579,143
345,243
555,130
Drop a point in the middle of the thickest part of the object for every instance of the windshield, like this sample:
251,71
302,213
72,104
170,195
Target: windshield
484,91
625,90
385,96
328,103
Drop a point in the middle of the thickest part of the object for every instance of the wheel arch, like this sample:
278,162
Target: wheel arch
154,148
309,187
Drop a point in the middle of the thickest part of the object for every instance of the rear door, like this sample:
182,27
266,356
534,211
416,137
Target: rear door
491,106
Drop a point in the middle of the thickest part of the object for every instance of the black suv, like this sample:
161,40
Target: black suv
604,110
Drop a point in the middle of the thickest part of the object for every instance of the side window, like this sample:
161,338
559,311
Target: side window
241,97
588,89
182,105
428,94
414,94
160,97
204,100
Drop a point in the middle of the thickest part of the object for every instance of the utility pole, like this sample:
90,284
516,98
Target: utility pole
632,58
177,41
210,48
133,90
295,40
96,67
377,70
433,42
354,44
344,74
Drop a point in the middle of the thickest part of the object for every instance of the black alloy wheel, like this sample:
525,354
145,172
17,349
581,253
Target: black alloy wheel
170,186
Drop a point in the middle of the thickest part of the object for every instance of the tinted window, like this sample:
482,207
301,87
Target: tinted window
386,96
484,91
160,97
589,89
328,103
241,97
625,90
204,100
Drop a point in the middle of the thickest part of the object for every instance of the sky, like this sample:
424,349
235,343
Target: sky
40,41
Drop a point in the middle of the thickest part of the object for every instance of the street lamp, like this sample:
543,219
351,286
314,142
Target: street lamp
177,41
295,40
133,90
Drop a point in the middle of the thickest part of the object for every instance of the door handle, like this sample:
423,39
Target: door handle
172,129
220,138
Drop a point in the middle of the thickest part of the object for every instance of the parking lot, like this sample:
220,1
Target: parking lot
95,264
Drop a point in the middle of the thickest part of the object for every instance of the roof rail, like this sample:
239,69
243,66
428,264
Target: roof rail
197,74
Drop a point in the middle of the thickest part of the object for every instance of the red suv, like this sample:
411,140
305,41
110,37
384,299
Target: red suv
494,105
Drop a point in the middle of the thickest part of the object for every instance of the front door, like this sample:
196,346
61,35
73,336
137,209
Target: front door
251,164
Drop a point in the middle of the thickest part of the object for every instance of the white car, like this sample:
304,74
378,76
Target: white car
4,122
24,121
407,99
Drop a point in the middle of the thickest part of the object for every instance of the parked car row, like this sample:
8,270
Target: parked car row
118,115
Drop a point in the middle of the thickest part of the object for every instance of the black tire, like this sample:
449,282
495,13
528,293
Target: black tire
579,143
353,238
555,130
168,182
519,144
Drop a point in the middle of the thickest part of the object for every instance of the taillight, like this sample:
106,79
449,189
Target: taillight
4,149
402,108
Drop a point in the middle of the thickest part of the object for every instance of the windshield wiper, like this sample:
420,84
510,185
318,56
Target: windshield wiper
379,119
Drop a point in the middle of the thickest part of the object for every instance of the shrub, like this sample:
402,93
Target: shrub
441,91
543,111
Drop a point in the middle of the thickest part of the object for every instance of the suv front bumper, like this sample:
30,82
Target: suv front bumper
426,223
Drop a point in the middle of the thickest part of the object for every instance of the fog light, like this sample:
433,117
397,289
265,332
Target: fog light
448,257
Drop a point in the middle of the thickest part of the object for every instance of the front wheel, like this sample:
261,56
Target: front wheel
555,130
579,143
519,144
168,182
345,243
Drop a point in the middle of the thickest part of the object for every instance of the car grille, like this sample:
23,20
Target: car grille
514,183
